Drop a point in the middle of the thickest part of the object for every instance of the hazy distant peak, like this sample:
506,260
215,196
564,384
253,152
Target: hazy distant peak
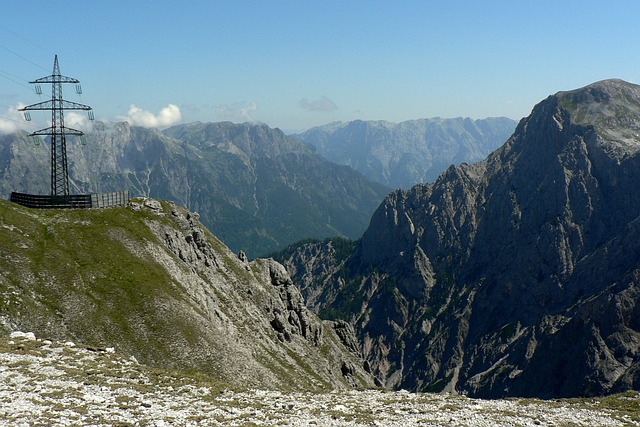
403,154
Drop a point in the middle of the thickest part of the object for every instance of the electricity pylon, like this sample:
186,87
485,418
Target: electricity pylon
57,130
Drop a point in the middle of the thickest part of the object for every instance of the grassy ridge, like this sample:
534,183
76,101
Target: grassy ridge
156,285
74,267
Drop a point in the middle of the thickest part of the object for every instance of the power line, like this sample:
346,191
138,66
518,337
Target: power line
27,40
2,74
17,121
13,107
22,57
13,75
23,125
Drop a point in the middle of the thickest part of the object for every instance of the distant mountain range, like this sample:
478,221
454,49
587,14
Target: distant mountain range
515,276
518,275
258,189
400,155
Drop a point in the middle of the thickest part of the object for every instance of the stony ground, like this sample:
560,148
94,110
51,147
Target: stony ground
43,383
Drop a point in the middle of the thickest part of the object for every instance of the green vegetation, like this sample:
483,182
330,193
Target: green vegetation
624,404
343,248
349,301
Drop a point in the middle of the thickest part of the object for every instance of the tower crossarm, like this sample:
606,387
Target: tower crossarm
55,79
51,131
55,105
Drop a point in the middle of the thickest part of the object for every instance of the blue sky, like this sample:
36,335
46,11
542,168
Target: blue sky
298,64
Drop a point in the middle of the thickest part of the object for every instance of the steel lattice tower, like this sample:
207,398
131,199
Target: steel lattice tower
57,130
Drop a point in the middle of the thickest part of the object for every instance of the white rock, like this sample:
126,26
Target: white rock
30,336
153,205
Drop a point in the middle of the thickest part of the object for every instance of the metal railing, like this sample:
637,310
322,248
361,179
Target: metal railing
76,201
105,200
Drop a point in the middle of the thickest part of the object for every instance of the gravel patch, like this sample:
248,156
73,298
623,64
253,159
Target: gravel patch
60,384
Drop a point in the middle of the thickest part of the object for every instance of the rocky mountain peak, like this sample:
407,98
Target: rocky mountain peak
518,275
612,107
248,139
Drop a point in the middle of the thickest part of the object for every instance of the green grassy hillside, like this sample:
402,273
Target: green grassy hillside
71,274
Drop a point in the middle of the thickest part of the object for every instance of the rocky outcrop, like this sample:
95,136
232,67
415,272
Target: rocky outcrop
517,275
317,261
150,281
347,335
290,315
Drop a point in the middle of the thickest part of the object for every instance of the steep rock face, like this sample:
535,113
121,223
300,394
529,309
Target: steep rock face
150,281
401,155
23,168
517,275
258,189
315,264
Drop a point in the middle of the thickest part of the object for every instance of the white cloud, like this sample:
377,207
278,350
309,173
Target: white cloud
322,104
168,116
78,121
12,120
245,112
238,112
